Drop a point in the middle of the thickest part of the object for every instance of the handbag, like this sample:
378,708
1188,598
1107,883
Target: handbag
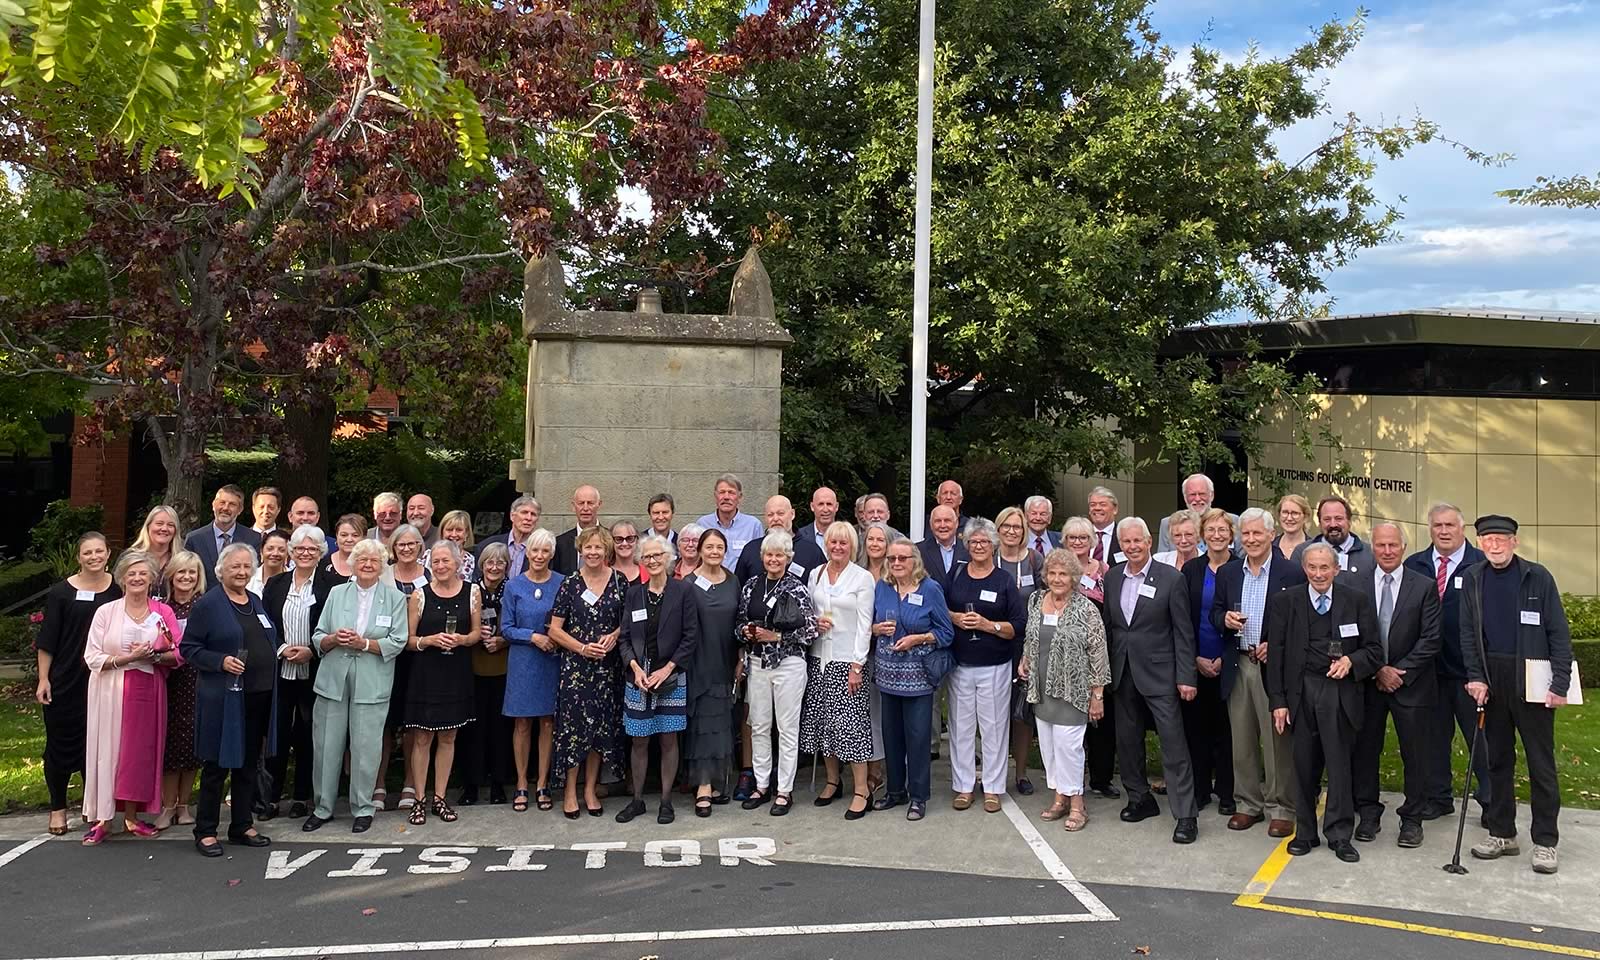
937,663
785,615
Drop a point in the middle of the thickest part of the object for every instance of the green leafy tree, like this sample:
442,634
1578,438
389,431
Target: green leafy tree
1571,192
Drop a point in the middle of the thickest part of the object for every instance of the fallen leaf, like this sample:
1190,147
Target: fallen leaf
1142,951
1537,929
234,883
369,911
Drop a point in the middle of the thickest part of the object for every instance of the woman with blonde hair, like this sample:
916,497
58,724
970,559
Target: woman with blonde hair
835,719
1025,566
159,538
457,527
1294,519
186,581
1184,528
875,538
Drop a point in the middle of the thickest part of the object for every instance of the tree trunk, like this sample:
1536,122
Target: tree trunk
311,426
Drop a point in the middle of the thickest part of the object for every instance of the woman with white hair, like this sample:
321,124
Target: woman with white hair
132,643
186,581
294,601
232,642
777,624
533,665
361,631
1184,529
835,720
160,538
445,620
688,547
485,746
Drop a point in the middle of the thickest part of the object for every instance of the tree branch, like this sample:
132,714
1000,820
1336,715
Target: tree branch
409,268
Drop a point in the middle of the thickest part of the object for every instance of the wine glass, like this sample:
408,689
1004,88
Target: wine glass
450,628
236,680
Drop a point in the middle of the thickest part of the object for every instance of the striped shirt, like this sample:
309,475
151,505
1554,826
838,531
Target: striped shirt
1253,604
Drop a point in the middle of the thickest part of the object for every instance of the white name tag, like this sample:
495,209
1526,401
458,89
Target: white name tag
796,569
264,621
1025,580
86,595
1458,583
1344,561
988,596
703,584
1349,630
313,601
915,599
420,582
1148,590
772,601
382,623
640,616
737,545
1086,582
1119,558
1051,618
1531,618
590,597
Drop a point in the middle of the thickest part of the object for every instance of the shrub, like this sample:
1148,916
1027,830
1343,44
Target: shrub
21,579
16,638
1583,615
63,523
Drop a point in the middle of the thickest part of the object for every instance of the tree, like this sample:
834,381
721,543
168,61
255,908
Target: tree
1093,194
1572,192
373,254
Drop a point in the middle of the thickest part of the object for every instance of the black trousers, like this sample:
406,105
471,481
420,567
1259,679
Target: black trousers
1413,726
1454,710
208,811
1100,744
1506,717
295,700
1137,709
1324,739
483,748
1210,736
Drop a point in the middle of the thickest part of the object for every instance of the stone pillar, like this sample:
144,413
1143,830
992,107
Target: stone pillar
647,402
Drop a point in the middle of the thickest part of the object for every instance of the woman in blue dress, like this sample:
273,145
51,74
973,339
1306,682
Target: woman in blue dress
534,666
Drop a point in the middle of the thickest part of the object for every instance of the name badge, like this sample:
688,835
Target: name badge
988,596
796,569
1458,583
1026,580
1344,562
1148,590
420,582
915,599
772,601
86,595
1086,582
590,597
703,584
1051,618
640,616
1119,557
264,621
382,623
313,600
1531,618
1349,630
735,546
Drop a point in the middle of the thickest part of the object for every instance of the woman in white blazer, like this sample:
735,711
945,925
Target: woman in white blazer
835,721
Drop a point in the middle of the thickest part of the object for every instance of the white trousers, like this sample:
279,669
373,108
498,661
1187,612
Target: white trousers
1061,746
980,703
776,695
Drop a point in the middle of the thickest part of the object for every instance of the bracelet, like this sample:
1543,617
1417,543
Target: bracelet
366,645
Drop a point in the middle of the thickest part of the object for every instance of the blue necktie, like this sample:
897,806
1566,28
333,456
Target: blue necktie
1322,604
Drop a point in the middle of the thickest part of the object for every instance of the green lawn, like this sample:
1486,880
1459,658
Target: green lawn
21,770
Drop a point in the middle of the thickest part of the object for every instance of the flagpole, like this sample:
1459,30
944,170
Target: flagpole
919,313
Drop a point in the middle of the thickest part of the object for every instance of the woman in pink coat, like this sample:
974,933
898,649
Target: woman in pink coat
132,644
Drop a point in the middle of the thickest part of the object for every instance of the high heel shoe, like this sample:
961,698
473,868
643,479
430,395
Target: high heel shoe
166,818
858,814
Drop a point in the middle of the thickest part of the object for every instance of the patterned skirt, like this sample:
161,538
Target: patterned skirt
664,711
588,717
181,690
834,721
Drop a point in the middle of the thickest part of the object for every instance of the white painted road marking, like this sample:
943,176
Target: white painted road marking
1053,863
22,848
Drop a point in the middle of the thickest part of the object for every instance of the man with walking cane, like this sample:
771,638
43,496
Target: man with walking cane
1518,653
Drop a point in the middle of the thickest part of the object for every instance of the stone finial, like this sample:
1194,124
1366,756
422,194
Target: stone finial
752,289
649,300
544,291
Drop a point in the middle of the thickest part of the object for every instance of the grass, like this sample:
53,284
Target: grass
21,746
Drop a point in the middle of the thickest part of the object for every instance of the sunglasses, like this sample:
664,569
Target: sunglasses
632,539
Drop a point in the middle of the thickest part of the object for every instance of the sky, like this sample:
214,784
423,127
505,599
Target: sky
1498,75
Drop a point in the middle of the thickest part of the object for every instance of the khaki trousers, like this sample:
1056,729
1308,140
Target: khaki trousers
1258,792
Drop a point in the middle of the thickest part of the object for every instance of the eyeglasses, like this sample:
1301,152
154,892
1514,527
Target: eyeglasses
899,559
1080,537
652,557
632,539
1010,526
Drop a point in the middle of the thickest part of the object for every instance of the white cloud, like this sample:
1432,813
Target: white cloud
1478,243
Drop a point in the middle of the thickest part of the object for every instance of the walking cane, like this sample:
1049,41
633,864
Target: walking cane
1454,866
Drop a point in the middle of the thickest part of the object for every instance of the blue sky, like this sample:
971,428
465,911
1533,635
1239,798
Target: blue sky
1517,77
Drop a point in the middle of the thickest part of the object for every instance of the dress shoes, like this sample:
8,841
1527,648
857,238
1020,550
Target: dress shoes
889,801
633,809
1134,812
1368,830
1280,829
1244,821
1300,846
250,840
313,822
1410,835
208,849
1227,808
297,810
1187,830
361,825
1434,811
1345,850
1108,791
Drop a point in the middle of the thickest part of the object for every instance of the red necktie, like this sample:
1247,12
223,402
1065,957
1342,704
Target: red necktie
1100,545
1038,544
1444,574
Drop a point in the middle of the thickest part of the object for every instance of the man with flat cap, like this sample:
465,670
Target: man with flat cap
1514,632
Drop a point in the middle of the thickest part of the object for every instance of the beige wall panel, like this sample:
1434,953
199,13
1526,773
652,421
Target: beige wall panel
1567,428
1394,423
1449,477
1393,476
1448,424
1566,491
1508,426
1508,485
1572,554
1350,417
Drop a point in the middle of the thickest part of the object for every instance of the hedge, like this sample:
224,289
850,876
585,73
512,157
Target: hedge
16,640
21,579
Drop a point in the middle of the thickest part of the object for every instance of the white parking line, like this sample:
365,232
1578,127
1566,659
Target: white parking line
22,848
1053,864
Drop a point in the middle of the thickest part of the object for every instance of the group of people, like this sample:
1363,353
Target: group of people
1265,659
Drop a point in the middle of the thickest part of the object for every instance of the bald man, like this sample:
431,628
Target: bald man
779,515
824,511
586,514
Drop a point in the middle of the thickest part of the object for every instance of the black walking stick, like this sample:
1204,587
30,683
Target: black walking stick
1454,866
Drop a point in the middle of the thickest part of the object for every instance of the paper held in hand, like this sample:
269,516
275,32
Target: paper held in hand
1536,682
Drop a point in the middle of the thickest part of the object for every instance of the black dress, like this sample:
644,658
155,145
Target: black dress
402,664
441,694
708,746
182,687
63,635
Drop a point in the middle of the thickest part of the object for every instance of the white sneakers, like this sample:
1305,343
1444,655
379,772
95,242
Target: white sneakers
1493,848
1544,859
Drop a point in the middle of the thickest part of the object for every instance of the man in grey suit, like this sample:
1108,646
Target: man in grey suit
1198,493
1409,615
224,529
1151,640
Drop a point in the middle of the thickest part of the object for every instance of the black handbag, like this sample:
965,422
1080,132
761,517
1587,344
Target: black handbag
785,615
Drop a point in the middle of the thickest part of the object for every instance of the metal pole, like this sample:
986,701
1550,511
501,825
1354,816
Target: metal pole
919,312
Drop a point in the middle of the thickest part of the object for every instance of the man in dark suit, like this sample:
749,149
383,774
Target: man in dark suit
1404,687
1263,758
524,513
1039,512
824,511
223,530
1444,563
779,515
586,514
1325,642
942,550
1150,637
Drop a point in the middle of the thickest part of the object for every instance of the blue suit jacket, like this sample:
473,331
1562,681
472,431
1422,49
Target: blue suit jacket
933,560
204,543
1451,663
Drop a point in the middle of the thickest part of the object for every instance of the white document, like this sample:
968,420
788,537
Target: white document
1536,682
